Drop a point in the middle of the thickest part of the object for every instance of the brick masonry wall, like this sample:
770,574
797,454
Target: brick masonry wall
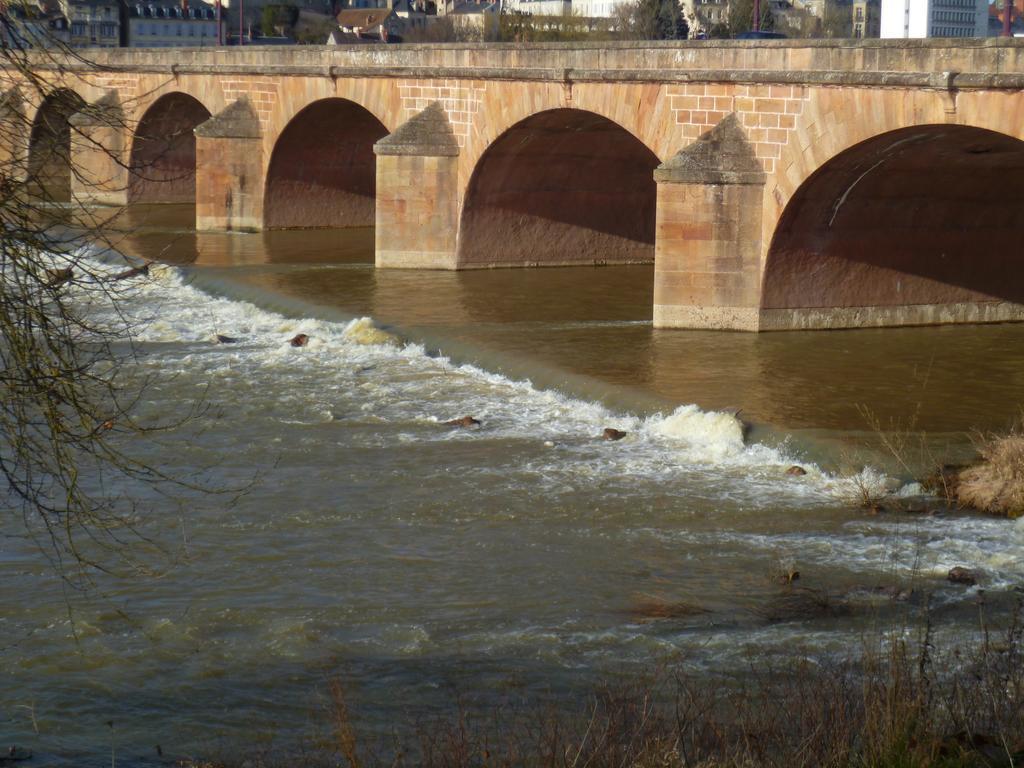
461,99
262,94
768,113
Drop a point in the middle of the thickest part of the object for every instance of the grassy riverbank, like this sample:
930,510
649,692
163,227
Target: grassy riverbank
906,701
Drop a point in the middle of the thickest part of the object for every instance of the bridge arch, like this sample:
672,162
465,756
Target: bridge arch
322,171
49,149
163,154
563,186
921,221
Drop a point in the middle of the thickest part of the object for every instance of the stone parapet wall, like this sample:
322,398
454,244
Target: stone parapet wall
988,63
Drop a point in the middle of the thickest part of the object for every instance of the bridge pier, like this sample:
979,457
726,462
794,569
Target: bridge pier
417,212
707,244
14,128
99,168
229,170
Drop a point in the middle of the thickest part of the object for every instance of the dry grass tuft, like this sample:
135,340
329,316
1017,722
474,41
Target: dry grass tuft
996,485
902,703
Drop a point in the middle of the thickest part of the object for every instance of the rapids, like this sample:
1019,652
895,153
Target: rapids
421,564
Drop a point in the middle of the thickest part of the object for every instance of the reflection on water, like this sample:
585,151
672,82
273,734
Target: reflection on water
594,322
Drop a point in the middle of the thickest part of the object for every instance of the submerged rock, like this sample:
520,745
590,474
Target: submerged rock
465,421
299,340
15,754
613,434
133,272
57,277
961,575
800,604
894,593
652,609
796,471
221,339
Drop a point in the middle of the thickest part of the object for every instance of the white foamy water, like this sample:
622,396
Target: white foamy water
400,383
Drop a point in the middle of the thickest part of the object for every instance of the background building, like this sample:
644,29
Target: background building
934,18
867,18
93,23
171,26
28,26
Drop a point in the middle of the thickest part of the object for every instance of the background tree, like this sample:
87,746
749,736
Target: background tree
741,17
516,26
652,20
836,20
799,23
68,389
278,19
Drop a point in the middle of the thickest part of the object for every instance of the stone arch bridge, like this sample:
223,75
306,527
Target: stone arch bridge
774,184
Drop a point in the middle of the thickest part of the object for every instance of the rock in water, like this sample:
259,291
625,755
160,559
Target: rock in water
796,471
57,277
143,270
299,340
226,339
612,434
465,421
961,575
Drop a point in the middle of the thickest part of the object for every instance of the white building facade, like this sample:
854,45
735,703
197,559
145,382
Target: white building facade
159,26
596,9
934,18
539,7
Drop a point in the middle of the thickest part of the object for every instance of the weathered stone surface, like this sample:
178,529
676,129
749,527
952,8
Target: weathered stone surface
97,142
721,156
707,243
12,105
163,150
229,169
427,134
322,171
238,121
105,111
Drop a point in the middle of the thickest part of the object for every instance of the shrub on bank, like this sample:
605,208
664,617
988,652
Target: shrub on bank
901,704
996,484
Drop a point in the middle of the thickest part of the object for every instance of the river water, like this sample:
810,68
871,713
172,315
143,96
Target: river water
420,564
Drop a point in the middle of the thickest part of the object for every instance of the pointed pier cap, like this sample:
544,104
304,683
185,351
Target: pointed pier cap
105,111
427,134
721,156
238,120
11,105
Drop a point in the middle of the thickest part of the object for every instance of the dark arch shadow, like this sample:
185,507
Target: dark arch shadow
931,215
163,158
560,187
49,156
323,171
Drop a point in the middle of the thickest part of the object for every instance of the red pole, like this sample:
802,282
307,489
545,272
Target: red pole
241,22
220,27
757,15
1007,18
